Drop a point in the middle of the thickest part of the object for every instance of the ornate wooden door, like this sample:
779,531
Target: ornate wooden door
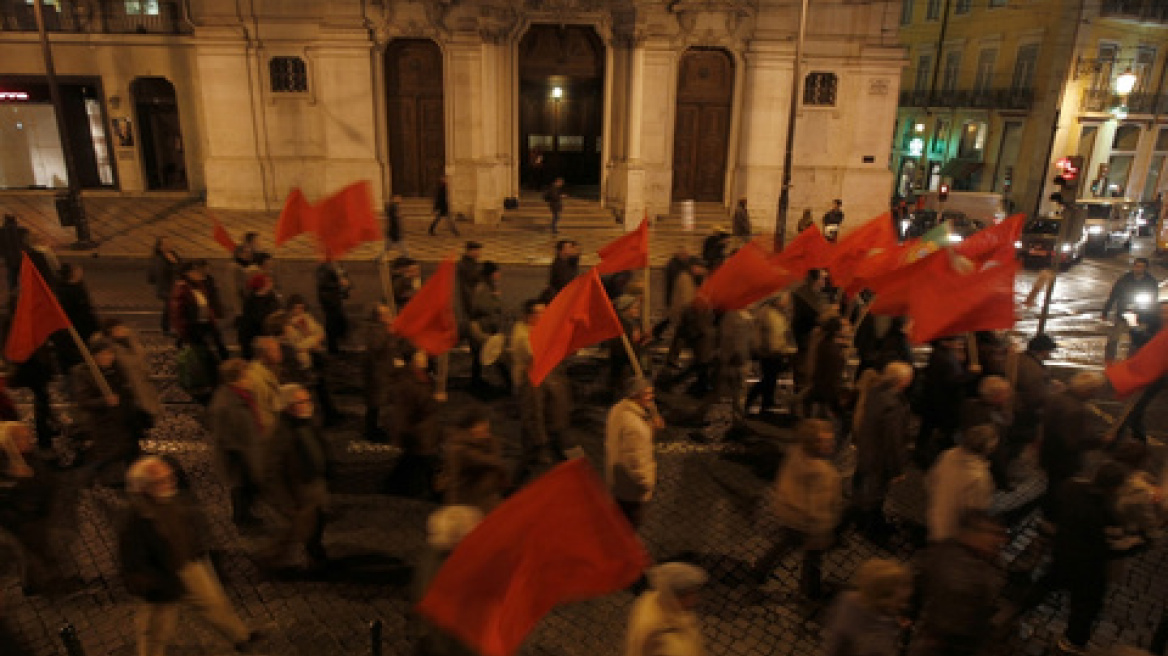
705,93
417,144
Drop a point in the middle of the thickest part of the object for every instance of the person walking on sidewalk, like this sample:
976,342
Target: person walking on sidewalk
164,265
554,197
395,232
442,207
163,558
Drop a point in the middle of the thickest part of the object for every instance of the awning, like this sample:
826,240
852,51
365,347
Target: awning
959,169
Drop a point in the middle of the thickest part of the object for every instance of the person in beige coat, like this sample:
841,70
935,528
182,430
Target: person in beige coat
960,481
264,381
809,498
133,361
630,465
662,621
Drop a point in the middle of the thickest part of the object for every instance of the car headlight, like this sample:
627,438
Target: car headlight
1142,221
1095,230
1017,244
1143,299
1066,248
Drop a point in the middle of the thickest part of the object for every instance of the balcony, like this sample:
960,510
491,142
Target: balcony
1104,100
996,99
97,16
1146,11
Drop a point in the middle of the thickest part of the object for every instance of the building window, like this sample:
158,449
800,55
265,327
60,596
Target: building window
906,9
288,75
952,70
973,138
1024,66
142,8
924,69
985,70
820,89
1127,137
933,11
1145,59
962,6
997,3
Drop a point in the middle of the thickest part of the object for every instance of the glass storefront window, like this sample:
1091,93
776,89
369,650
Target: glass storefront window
30,148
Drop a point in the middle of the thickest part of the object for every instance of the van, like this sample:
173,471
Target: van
987,207
1110,222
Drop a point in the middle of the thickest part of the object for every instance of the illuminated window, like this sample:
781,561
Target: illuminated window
142,8
288,75
820,89
571,144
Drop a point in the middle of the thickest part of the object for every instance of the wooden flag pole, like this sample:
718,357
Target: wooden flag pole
1118,424
646,320
93,368
632,356
971,346
387,285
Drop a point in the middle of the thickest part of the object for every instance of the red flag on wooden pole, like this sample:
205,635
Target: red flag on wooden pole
37,315
580,315
630,251
559,539
296,218
743,279
953,303
428,320
345,220
1148,365
875,236
809,250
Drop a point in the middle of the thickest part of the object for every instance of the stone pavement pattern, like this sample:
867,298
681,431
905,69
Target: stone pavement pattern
712,507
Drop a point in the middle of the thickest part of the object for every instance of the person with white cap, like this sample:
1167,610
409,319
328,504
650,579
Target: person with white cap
662,621
445,528
630,465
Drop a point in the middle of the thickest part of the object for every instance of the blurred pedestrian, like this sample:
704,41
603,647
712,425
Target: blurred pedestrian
565,266
13,240
630,463
833,220
881,439
868,621
1070,430
307,338
333,288
412,424
715,246
30,494
554,197
474,472
162,552
260,302
133,360
441,208
993,406
662,620
960,482
382,363
111,420
775,347
445,528
1033,386
164,264
265,375
809,499
237,430
486,323
468,274
73,296
395,231
943,388
741,221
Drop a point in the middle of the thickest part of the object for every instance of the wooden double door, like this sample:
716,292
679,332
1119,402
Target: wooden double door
417,143
705,97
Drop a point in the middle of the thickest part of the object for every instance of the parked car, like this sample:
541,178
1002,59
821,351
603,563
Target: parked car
1040,237
922,221
1110,223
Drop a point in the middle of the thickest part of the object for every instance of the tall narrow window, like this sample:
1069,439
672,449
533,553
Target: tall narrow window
962,7
952,70
1024,66
924,70
288,75
820,89
933,10
906,11
985,70
1145,59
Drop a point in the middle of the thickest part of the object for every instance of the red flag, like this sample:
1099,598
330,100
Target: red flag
37,315
580,315
954,303
345,220
809,250
894,288
220,235
428,320
743,279
1147,366
628,252
296,218
560,539
995,242
874,237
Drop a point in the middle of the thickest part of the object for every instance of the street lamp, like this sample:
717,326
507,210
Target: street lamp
1125,82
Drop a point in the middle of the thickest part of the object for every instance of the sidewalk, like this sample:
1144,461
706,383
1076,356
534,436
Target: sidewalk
127,226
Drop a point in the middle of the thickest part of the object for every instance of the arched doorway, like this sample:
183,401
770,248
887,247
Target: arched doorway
561,106
701,138
417,136
160,133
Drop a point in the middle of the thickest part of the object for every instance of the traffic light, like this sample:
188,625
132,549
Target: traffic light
943,193
1008,180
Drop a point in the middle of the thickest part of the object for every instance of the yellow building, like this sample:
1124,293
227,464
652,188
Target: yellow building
998,91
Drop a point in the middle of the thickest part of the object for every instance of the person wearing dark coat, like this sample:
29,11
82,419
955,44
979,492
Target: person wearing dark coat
380,369
299,463
395,232
961,579
163,558
30,492
894,346
113,421
714,247
1032,387
332,290
261,302
881,439
406,280
35,374
678,264
164,265
474,472
554,197
485,321
468,274
993,406
565,267
1070,430
442,207
1080,550
73,295
412,425
943,384
13,239
740,224
234,420
806,306
827,370
194,310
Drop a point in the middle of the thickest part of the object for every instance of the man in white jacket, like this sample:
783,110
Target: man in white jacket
960,481
630,465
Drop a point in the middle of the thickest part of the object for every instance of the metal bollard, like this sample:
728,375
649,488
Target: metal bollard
375,638
71,641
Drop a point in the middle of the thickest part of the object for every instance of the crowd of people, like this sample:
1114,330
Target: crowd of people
973,420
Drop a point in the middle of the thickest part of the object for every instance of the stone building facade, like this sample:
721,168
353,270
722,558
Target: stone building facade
636,103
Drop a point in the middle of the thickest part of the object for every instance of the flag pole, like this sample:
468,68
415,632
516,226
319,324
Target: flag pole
93,368
386,284
646,321
1113,432
971,346
632,356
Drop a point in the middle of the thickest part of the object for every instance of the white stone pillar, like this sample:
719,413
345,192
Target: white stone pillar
763,136
478,90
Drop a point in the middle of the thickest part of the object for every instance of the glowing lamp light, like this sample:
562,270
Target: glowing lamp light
1125,83
557,93
13,95
916,147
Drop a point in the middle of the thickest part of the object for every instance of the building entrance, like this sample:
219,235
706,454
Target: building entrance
705,95
417,143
